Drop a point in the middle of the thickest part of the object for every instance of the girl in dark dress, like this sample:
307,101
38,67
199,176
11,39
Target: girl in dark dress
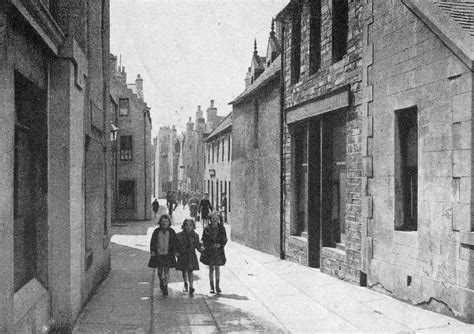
214,239
163,250
188,242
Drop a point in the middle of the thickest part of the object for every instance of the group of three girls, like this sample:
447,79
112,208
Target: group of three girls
166,245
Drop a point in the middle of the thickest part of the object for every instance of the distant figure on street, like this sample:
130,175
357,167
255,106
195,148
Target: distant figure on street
193,206
178,197
223,206
205,207
155,205
163,247
171,202
214,238
188,243
184,199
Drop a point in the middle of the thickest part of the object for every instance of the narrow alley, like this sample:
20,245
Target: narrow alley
261,293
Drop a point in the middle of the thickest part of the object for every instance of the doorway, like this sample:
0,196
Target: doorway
320,181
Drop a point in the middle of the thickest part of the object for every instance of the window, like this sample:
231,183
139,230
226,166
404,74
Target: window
30,184
125,148
255,125
123,107
315,36
127,194
212,152
228,148
208,153
218,147
340,28
295,46
228,198
223,146
406,169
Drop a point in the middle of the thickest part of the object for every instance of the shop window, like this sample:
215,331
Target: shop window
295,46
30,184
127,194
126,148
123,107
340,28
315,36
406,169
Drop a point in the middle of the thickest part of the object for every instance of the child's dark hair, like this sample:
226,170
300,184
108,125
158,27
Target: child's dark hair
164,217
186,221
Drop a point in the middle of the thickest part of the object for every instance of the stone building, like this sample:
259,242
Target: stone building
416,145
133,151
322,161
55,199
166,160
193,150
218,161
256,134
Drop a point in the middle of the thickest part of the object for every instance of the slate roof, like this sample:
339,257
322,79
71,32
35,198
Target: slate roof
461,12
269,73
224,125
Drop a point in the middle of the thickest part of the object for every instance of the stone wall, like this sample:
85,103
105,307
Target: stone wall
409,66
255,215
330,77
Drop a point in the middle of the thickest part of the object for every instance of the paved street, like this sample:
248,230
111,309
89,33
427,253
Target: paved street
261,293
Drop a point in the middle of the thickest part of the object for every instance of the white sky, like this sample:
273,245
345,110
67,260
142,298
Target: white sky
189,51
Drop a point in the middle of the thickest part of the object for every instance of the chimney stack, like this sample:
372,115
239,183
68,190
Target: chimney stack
139,85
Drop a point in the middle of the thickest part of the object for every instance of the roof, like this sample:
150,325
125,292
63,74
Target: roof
269,74
223,126
461,12
451,22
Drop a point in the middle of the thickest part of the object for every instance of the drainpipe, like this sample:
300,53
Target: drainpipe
145,163
282,171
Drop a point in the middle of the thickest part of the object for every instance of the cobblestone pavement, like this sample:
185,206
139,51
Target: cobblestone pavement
261,293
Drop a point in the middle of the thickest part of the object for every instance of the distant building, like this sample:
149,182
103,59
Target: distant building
256,137
133,150
166,161
193,150
55,148
218,161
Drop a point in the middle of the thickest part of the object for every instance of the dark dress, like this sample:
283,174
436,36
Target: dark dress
155,206
205,207
168,260
187,245
193,207
211,255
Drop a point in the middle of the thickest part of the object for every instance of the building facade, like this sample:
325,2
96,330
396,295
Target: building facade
193,148
255,171
166,161
322,101
218,161
55,201
133,150
417,147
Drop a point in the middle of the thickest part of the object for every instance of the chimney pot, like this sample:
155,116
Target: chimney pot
212,103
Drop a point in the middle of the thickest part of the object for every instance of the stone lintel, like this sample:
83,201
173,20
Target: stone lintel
319,106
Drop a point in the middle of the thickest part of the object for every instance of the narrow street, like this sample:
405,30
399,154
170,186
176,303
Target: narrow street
261,293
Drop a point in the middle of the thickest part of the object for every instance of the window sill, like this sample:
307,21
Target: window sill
27,297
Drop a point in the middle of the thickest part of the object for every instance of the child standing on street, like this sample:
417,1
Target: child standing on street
188,242
214,239
163,250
